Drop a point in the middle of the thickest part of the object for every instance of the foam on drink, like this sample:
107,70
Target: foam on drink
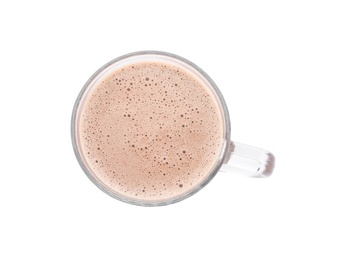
150,131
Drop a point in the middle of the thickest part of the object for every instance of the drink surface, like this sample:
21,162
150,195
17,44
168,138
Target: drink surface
150,131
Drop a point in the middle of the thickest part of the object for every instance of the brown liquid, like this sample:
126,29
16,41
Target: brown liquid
150,131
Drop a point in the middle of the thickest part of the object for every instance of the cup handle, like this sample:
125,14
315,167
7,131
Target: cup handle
249,161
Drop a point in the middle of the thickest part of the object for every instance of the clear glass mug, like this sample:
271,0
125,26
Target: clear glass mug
235,157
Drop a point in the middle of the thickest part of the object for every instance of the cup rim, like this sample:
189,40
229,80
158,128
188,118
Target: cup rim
224,153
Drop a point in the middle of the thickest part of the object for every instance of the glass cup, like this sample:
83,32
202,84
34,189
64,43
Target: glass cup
235,157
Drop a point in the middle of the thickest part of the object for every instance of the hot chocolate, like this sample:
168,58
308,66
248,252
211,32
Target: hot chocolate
150,131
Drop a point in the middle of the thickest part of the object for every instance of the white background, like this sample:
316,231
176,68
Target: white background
276,63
